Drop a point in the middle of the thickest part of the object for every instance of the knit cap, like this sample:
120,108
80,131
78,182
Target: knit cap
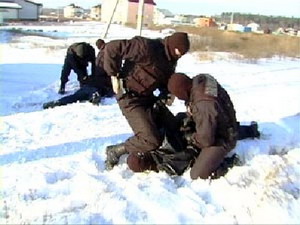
177,40
180,85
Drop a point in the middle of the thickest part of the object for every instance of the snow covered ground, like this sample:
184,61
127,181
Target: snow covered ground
52,161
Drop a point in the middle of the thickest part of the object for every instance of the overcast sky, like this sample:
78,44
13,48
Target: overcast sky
206,7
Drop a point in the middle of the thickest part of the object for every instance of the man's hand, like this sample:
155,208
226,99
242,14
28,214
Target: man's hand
167,99
118,85
115,84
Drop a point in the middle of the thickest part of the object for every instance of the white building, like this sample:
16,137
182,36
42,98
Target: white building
9,11
235,27
73,11
162,16
96,12
254,27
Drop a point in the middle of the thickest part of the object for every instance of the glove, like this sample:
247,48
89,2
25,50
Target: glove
96,98
166,98
117,84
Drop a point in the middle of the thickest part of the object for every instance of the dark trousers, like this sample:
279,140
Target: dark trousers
83,94
140,115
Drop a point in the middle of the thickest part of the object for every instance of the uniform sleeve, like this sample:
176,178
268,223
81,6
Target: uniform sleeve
205,117
115,52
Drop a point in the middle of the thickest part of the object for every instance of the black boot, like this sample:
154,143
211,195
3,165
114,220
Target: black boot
62,89
113,154
250,131
227,164
51,104
254,129
96,98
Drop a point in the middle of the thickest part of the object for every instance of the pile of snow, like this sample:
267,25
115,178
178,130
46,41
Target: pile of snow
52,161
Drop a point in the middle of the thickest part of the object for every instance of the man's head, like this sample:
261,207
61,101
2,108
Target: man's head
100,43
177,44
180,85
84,50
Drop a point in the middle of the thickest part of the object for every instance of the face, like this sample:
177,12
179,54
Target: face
178,53
99,46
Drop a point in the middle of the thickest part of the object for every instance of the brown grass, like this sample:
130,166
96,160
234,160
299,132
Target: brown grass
248,45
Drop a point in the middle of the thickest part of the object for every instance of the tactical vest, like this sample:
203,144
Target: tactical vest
205,87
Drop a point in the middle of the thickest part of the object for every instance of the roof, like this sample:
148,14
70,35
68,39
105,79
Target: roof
33,2
10,5
145,1
166,12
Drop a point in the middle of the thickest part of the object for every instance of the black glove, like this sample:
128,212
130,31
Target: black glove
166,98
96,98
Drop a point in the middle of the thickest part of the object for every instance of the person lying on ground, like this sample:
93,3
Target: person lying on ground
177,153
92,90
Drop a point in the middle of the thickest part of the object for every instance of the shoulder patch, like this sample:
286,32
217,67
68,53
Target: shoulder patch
211,86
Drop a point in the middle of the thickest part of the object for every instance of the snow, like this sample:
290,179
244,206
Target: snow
52,161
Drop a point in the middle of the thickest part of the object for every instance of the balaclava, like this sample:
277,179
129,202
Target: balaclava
100,43
177,40
180,85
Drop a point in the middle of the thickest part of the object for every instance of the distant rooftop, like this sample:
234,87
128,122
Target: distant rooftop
166,12
145,1
10,5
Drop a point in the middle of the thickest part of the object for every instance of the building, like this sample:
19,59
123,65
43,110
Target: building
235,27
253,26
73,11
127,11
95,13
162,16
29,9
9,11
205,22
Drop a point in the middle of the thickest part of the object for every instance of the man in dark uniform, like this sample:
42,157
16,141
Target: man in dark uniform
103,79
177,152
77,59
138,67
216,127
92,88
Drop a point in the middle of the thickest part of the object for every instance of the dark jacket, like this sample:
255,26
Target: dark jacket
77,59
146,66
213,113
104,81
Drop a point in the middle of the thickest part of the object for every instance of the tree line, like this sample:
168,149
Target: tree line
265,22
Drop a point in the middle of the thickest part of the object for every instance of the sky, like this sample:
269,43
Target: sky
207,7
52,161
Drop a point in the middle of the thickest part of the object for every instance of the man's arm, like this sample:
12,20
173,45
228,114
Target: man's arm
205,117
134,50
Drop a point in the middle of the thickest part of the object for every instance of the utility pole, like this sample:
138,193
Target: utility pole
58,15
110,19
140,17
231,19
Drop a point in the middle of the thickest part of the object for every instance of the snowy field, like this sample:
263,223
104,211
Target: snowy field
52,161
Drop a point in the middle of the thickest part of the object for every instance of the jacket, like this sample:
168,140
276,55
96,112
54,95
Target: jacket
80,54
143,63
213,113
